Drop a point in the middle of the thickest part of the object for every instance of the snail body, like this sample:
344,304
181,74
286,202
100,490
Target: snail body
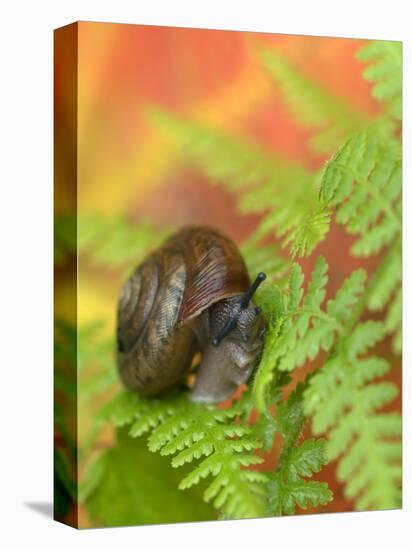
191,295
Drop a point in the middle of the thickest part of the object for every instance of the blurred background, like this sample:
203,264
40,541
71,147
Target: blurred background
128,170
127,167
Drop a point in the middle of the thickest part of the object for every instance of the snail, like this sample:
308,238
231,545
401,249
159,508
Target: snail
191,295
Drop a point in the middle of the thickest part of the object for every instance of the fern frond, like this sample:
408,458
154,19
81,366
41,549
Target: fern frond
236,163
386,279
287,486
312,105
264,183
95,357
221,445
190,432
385,71
266,258
386,290
275,305
363,180
344,403
393,321
115,240
313,229
302,328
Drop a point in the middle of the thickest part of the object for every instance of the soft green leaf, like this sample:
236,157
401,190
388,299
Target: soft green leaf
140,488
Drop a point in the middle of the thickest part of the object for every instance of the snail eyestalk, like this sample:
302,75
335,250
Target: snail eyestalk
251,290
244,302
227,327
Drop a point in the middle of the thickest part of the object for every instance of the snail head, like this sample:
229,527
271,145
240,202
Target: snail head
242,316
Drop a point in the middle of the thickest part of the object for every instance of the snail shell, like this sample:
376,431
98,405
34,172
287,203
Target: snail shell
191,295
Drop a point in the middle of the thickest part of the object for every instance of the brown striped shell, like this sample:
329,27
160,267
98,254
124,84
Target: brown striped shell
161,304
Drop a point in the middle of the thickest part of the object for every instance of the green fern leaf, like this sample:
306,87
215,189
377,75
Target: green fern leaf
304,493
264,377
308,458
263,258
312,230
364,182
301,328
359,180
190,432
344,403
116,241
287,487
225,159
140,488
386,279
259,179
312,105
385,71
393,321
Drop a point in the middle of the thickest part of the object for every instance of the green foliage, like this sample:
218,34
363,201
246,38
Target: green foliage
139,487
175,460
222,444
361,185
385,71
191,432
365,157
312,105
344,400
311,231
107,241
263,182
300,328
84,355
115,240
65,234
83,374
64,484
287,487
266,258
65,444
364,182
95,359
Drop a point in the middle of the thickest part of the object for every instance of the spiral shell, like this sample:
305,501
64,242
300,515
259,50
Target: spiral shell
162,301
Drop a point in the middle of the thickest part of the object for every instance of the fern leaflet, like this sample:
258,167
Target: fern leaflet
263,182
364,182
312,105
287,487
192,432
344,402
385,71
301,327
343,397
115,240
